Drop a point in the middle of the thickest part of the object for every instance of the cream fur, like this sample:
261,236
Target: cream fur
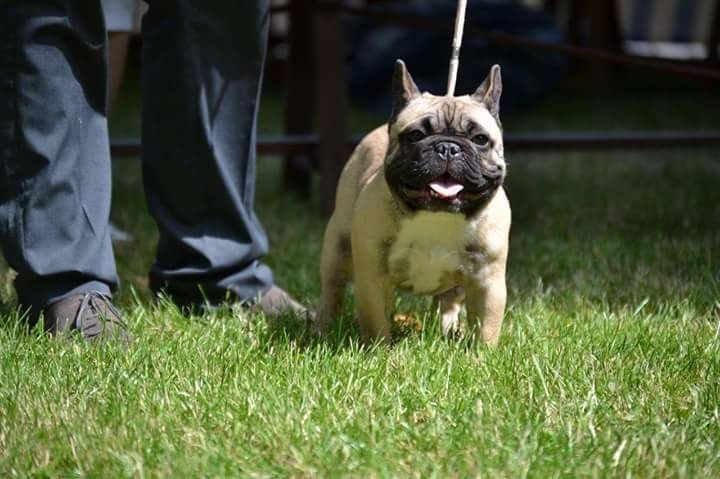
373,240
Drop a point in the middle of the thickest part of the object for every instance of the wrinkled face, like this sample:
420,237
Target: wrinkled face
445,153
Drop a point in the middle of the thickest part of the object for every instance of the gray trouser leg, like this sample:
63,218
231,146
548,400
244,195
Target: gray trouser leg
54,155
202,69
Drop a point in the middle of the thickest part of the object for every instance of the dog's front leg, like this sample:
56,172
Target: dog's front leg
374,300
374,295
485,302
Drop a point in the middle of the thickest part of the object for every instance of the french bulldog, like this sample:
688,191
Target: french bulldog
420,208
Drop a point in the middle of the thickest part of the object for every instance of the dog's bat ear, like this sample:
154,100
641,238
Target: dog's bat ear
404,88
489,91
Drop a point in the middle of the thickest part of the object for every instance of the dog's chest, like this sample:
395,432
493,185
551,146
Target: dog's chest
428,255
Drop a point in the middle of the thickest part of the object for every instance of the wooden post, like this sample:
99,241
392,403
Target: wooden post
551,5
604,33
594,23
299,103
575,25
331,101
714,37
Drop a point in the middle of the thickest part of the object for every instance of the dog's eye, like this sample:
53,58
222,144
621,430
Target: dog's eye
481,140
415,136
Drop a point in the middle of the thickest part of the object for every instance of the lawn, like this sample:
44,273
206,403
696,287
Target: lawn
608,366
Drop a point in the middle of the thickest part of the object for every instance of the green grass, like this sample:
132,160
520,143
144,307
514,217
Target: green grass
608,366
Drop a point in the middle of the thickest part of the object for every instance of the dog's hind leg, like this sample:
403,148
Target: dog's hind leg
450,303
335,271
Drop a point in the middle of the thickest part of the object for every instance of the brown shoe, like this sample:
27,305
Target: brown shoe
91,314
277,301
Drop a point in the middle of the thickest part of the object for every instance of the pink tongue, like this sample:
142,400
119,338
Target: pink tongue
446,188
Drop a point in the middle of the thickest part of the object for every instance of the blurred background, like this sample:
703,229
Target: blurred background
329,65
611,112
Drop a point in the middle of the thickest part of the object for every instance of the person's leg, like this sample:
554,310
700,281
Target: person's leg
54,154
202,69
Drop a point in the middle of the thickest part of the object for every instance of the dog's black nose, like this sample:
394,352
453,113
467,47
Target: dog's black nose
447,150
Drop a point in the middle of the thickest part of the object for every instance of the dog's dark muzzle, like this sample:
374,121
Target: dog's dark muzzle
443,174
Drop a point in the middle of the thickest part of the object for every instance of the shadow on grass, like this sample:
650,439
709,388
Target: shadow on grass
289,328
413,319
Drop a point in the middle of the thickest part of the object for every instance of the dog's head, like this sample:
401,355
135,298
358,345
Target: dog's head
445,153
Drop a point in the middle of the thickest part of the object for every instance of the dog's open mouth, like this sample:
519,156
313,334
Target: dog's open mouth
445,188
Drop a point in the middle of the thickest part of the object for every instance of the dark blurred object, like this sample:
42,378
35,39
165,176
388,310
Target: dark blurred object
307,56
527,75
